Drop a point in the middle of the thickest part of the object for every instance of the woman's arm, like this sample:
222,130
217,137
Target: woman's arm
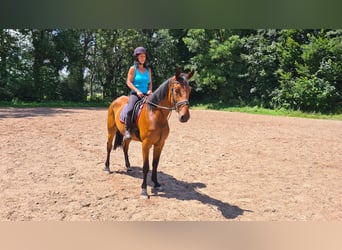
130,78
150,84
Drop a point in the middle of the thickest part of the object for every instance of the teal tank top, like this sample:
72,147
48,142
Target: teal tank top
141,80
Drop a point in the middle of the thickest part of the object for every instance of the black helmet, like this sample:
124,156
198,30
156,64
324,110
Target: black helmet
139,50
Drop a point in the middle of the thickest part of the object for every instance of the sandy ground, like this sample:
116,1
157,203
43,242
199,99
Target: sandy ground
218,166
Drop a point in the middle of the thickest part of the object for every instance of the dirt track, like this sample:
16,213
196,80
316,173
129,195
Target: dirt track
218,166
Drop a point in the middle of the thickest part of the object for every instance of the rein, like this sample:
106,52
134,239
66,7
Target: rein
158,106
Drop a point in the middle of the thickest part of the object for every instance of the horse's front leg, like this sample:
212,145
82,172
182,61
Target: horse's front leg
157,149
146,167
125,150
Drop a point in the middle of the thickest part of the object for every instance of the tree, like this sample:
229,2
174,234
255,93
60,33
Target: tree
290,68
261,64
309,75
111,59
72,49
15,64
45,74
198,44
219,65
6,55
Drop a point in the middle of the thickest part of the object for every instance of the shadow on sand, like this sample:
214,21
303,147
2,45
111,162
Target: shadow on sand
182,190
35,112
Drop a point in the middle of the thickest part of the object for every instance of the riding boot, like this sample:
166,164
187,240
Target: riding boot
128,121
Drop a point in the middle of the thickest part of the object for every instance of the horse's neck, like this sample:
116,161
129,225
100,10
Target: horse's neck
162,96
164,109
166,101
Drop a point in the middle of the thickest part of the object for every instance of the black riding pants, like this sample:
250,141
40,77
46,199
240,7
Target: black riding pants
133,98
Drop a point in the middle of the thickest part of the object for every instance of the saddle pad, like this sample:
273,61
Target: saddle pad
123,114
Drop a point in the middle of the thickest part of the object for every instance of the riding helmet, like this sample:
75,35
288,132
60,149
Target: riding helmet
139,50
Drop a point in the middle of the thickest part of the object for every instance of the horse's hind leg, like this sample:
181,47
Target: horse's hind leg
111,133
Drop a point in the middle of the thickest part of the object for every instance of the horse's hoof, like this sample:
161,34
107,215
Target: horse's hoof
107,170
144,194
129,169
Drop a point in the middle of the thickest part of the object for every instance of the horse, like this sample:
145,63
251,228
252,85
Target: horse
153,126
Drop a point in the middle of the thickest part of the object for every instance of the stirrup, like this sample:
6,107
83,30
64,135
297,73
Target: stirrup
127,135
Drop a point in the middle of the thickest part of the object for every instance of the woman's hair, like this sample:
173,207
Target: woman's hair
136,63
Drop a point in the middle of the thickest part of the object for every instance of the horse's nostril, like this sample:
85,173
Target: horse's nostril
183,118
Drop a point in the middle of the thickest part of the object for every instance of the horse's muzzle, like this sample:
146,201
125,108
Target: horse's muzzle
184,114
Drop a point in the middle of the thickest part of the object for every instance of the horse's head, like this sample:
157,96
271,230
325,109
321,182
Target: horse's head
180,92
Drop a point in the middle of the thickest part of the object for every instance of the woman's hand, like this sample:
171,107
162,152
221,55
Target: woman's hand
140,94
149,92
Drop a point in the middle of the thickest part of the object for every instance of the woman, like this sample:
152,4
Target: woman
139,80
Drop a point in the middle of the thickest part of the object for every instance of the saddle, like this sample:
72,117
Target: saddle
136,111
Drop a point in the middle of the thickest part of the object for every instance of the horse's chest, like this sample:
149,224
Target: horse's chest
156,133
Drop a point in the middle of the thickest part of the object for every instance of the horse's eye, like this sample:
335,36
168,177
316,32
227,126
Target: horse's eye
177,91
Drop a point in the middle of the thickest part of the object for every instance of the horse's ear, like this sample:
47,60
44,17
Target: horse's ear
190,74
178,72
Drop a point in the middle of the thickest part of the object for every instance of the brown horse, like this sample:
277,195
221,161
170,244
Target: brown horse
152,124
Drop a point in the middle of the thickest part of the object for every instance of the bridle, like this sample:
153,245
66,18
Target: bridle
176,104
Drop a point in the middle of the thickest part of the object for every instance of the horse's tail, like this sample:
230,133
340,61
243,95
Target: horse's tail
118,140
112,126
112,129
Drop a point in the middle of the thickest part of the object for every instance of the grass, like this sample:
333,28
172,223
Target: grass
246,109
264,111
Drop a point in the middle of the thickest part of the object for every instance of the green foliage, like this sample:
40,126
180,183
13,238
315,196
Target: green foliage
306,94
296,69
218,64
15,63
261,64
309,73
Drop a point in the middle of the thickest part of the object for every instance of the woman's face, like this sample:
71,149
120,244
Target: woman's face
142,58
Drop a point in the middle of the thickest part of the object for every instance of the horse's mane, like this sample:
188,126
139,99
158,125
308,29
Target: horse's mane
159,94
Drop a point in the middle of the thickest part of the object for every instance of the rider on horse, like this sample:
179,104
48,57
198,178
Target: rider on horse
139,80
